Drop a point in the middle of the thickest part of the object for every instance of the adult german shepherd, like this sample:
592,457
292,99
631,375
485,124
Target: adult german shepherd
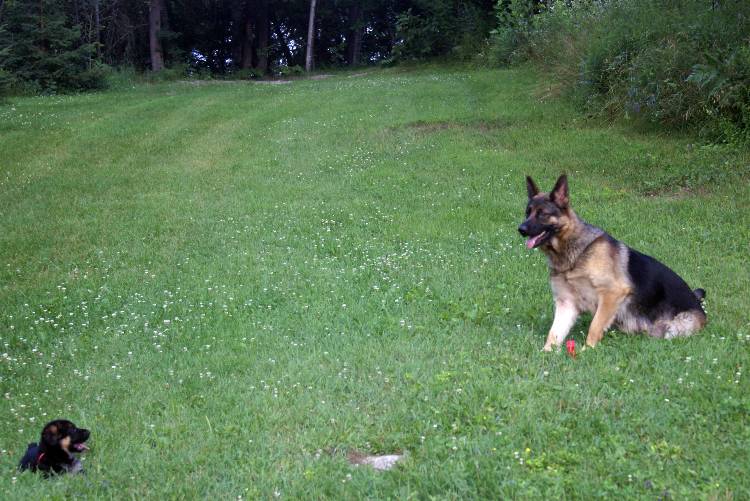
591,271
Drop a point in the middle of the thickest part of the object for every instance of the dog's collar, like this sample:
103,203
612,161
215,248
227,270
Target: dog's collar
39,458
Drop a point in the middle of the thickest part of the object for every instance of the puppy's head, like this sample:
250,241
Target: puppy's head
63,434
547,214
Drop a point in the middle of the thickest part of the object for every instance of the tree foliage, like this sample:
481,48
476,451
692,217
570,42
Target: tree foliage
41,49
60,44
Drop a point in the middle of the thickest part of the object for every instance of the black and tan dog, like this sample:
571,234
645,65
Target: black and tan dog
54,453
592,272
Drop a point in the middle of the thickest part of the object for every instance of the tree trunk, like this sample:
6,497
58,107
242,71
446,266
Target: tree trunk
262,28
97,28
354,35
310,38
238,27
43,42
154,26
247,38
165,27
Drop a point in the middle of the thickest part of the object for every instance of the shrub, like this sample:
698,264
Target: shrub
288,71
179,71
726,83
510,38
246,74
419,37
7,82
445,28
673,62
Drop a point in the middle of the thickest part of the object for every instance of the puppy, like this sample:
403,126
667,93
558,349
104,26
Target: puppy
592,272
54,453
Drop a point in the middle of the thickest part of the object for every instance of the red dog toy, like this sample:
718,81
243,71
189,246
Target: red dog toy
570,344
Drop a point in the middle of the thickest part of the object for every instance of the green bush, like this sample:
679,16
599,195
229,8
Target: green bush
171,73
726,83
419,37
447,28
123,77
510,39
672,62
246,74
288,71
7,82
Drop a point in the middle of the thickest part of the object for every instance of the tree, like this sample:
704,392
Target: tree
154,27
58,44
98,27
246,37
263,27
354,34
429,28
41,49
310,38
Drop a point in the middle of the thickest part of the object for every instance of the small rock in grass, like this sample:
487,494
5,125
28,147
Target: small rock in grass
382,463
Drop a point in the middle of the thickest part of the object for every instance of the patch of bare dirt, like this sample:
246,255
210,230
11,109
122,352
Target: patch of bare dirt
426,127
213,82
272,82
672,193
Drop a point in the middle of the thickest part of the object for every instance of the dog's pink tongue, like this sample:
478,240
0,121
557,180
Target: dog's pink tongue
531,242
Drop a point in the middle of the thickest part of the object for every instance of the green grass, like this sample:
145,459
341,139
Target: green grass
233,284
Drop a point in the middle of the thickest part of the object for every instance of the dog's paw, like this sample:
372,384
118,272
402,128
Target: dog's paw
549,348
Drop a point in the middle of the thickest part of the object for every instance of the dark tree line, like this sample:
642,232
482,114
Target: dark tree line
70,44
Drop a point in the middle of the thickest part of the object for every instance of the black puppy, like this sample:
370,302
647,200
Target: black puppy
54,453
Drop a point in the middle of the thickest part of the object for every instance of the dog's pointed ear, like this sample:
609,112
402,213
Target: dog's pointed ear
559,193
51,435
531,187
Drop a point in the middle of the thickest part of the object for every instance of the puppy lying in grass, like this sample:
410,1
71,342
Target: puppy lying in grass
54,454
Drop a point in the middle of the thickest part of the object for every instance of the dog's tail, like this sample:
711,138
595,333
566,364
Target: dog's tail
700,294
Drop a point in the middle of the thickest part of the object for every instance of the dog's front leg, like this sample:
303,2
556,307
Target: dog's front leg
609,302
565,316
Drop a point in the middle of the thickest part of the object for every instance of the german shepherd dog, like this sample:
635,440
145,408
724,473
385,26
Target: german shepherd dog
54,453
592,272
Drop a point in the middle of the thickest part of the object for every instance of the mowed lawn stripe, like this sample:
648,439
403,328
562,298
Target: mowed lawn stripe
235,284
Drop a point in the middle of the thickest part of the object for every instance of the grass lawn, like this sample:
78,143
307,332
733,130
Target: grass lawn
233,285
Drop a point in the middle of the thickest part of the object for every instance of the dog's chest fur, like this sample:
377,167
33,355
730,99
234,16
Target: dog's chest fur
575,291
586,265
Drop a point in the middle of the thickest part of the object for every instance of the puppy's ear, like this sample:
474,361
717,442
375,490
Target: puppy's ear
531,187
559,193
51,435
